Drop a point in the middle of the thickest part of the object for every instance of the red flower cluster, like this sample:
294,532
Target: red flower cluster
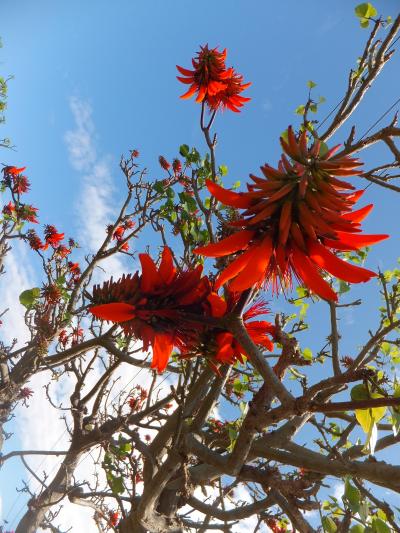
219,87
74,337
113,517
21,211
15,180
52,237
228,350
176,166
75,271
154,306
164,163
35,241
52,293
293,218
63,251
119,232
136,402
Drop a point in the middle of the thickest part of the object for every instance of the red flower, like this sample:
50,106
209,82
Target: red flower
164,163
20,184
134,153
214,84
34,241
152,306
129,224
119,233
74,267
177,166
209,74
113,518
53,238
52,293
63,251
28,212
293,218
125,247
228,350
76,335
230,97
25,393
63,337
9,209
75,271
13,171
133,403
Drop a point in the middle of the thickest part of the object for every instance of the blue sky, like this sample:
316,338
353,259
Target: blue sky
106,71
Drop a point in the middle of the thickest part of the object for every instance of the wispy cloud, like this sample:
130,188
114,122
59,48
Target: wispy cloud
17,278
95,205
79,141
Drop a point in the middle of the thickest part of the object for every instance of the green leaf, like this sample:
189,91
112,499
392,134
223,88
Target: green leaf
300,110
184,150
343,287
364,510
380,526
351,496
301,292
307,354
28,298
372,437
359,392
328,524
358,528
365,10
323,149
60,282
313,108
321,100
117,484
311,84
385,347
223,170
159,187
284,135
303,310
232,432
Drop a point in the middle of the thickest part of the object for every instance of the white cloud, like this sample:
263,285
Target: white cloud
95,206
17,278
79,141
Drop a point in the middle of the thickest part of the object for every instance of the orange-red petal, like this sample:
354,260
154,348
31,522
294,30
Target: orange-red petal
163,345
229,245
233,199
325,259
234,268
114,312
255,270
310,275
167,270
225,350
150,276
359,214
217,304
185,71
190,92
351,241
